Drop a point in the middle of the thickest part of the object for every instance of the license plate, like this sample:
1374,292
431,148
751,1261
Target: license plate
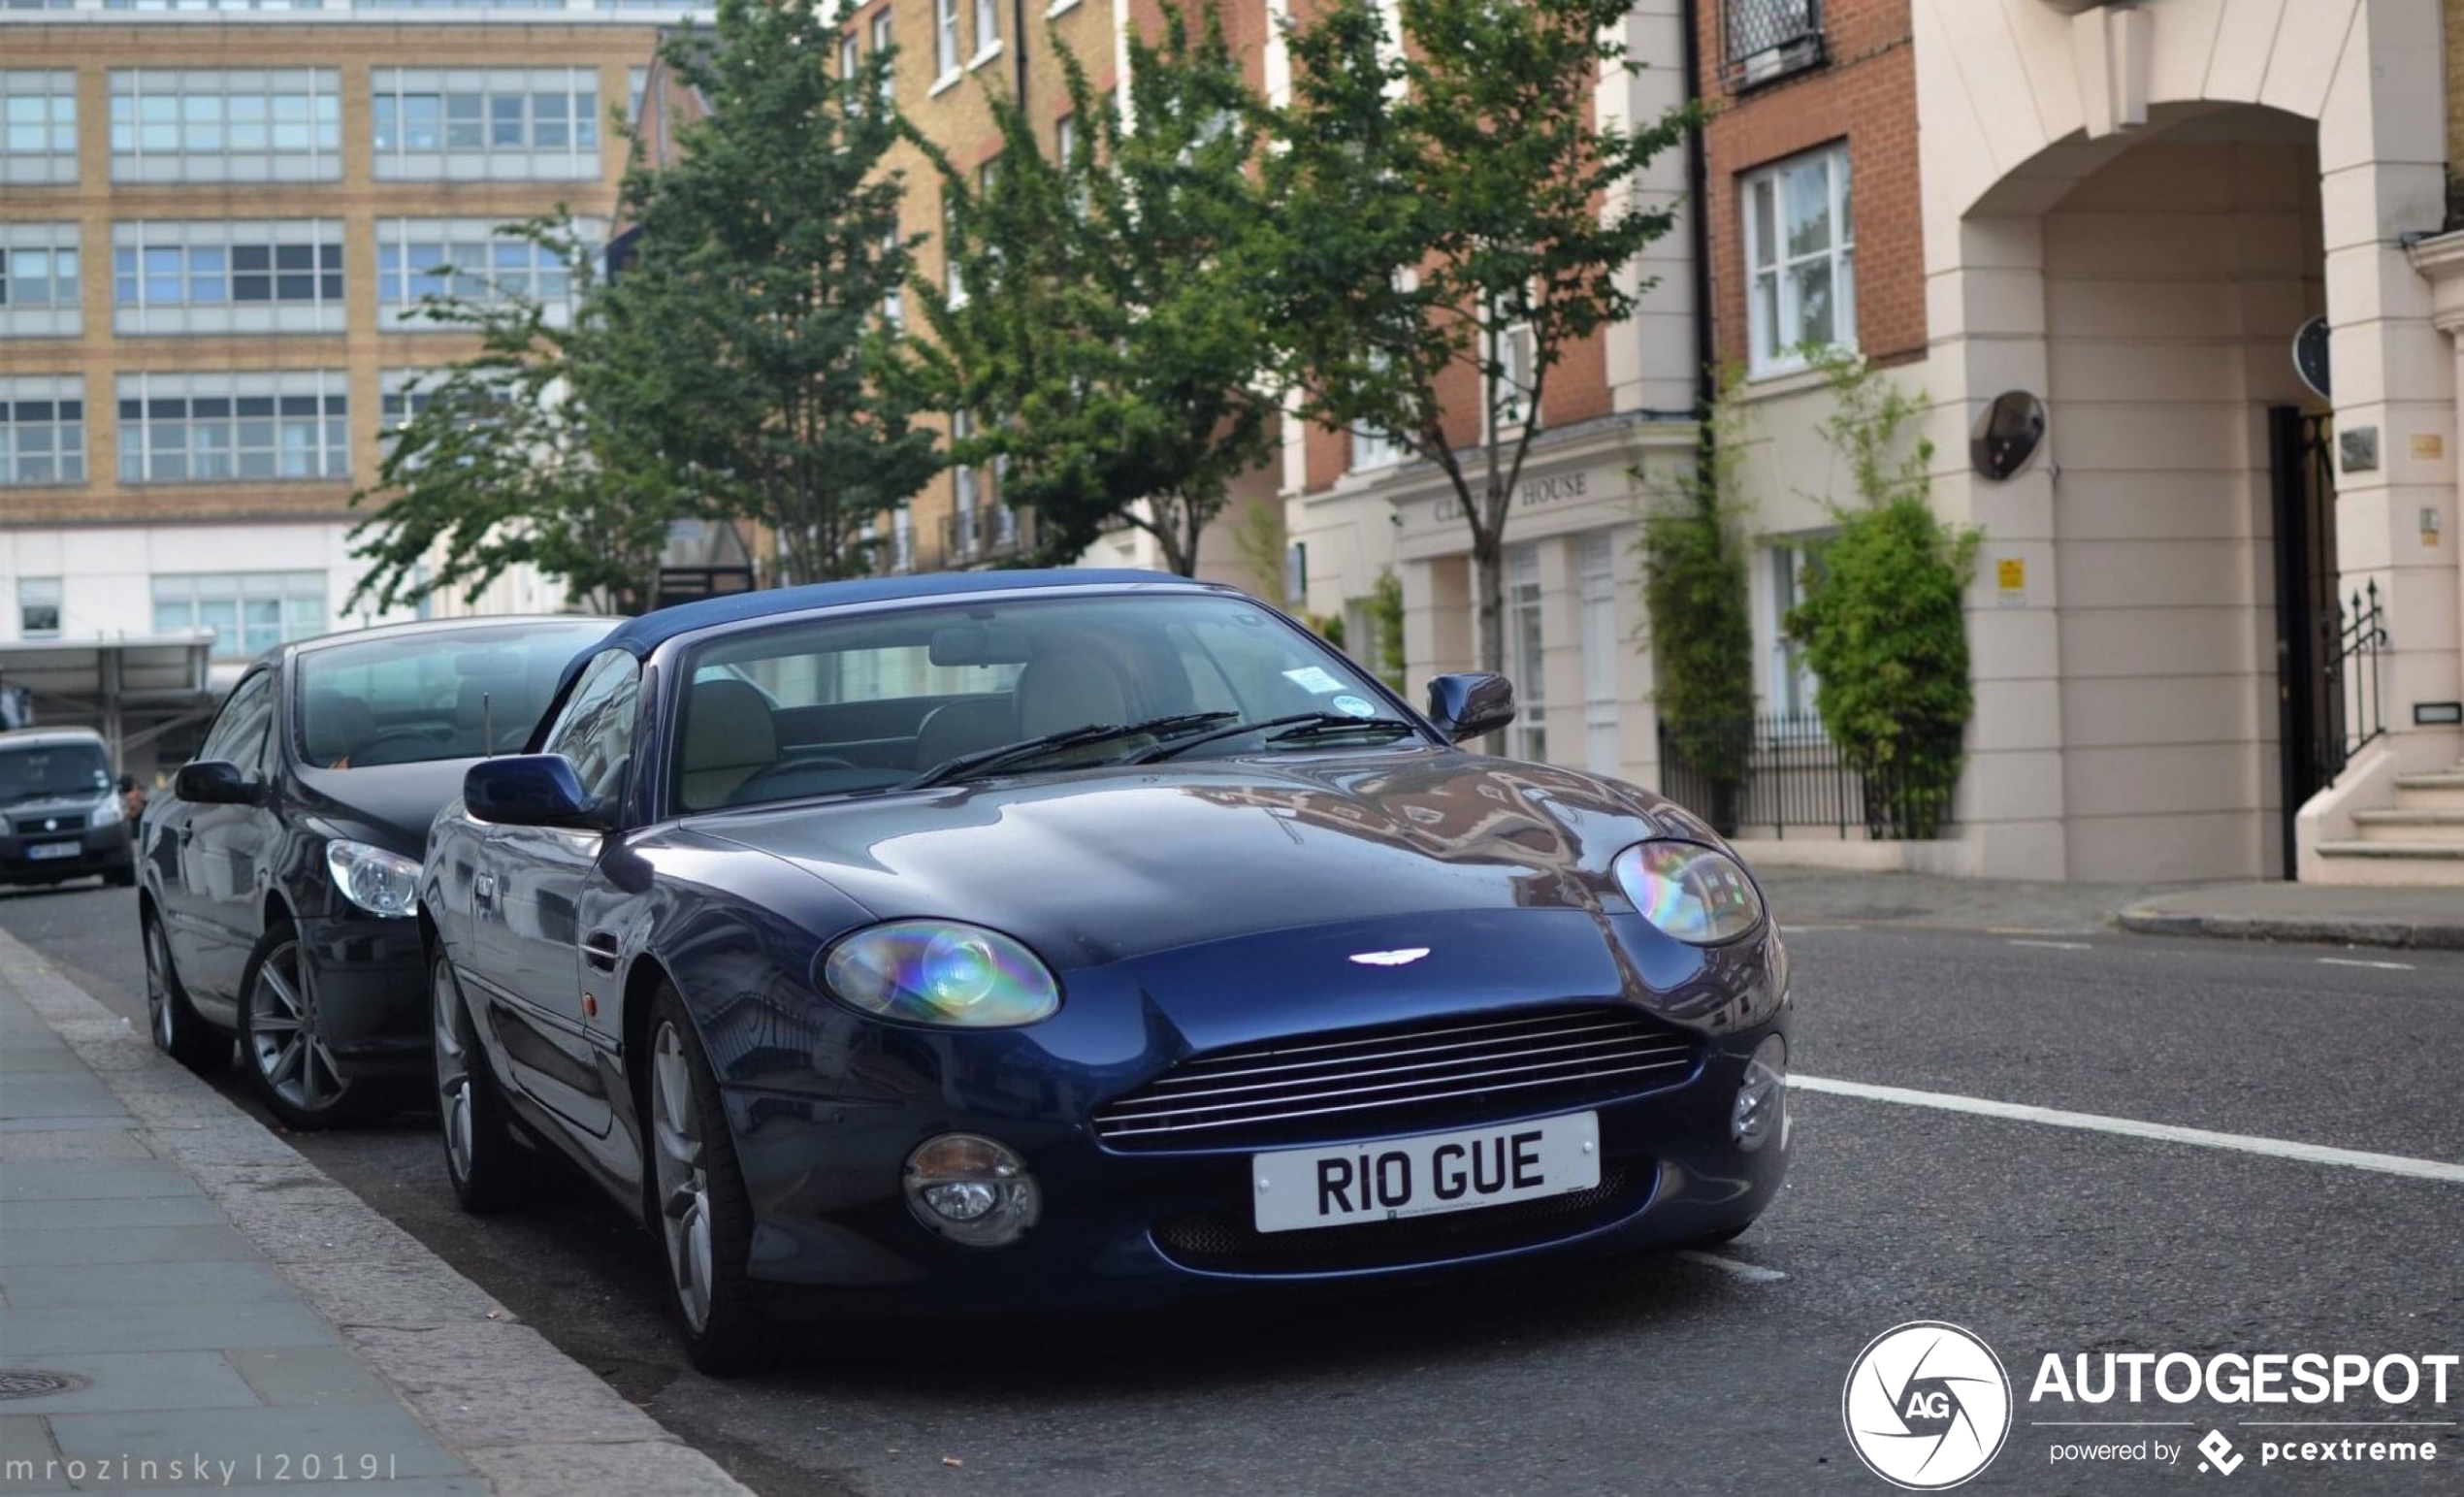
1425,1175
43,850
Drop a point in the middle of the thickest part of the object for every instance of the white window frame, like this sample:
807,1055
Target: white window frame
1514,383
38,126
225,125
883,34
1790,680
27,248
404,247
1527,653
41,593
946,52
241,431
299,600
1597,632
466,139
988,32
1774,311
35,402
145,253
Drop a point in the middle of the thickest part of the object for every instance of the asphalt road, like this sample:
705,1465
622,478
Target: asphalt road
1667,1374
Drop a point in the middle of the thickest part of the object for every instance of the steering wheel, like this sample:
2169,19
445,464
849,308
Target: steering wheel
428,732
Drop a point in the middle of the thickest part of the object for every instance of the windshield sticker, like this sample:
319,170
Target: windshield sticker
1353,707
1313,679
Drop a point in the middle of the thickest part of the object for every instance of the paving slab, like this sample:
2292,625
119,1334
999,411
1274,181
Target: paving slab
120,1382
202,1240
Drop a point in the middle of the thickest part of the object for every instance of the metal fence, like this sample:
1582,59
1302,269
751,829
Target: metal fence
2356,698
1790,775
1769,39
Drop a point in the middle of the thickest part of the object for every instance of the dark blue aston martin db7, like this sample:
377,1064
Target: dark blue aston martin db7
1060,940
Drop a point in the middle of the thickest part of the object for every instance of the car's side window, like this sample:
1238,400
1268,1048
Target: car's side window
238,731
596,728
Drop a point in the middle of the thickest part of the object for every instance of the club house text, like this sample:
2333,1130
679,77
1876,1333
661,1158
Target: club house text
1483,1167
1534,493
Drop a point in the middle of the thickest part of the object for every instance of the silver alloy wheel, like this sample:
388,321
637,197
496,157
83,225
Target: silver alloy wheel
684,1184
453,1071
289,1055
158,985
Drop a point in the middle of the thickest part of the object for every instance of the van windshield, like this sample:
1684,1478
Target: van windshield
53,771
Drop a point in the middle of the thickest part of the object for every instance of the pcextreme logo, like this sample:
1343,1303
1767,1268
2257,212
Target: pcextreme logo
1927,1406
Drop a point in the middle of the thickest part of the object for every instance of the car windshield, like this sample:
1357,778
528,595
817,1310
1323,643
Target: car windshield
929,694
453,694
53,771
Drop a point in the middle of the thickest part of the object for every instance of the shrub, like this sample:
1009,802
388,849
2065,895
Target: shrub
1695,612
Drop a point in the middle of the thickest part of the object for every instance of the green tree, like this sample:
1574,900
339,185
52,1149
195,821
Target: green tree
1385,627
1107,338
531,453
1445,203
1882,615
768,250
1695,603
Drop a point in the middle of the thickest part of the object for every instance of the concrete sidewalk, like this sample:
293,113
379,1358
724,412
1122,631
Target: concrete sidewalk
186,1302
2428,919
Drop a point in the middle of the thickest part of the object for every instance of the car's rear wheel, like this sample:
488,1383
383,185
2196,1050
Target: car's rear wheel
489,1171
282,1044
177,1030
696,1200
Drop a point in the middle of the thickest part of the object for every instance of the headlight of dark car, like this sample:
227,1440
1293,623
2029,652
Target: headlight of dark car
941,972
377,881
1696,894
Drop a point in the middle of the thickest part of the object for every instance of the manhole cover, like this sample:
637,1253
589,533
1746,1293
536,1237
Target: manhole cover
28,1383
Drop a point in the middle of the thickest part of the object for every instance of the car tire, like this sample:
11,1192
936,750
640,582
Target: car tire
488,1170
178,1032
120,878
287,1062
694,1200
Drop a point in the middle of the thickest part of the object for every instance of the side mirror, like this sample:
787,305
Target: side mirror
217,782
529,790
1467,705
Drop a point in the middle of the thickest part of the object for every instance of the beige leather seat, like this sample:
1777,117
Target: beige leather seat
730,737
1069,686
957,727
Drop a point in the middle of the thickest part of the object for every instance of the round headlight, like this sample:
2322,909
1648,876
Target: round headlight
1690,892
941,972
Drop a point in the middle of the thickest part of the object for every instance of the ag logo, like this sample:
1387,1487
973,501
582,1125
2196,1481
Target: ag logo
1927,1406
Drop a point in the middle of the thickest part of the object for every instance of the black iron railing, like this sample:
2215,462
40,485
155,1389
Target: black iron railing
1771,775
1769,39
2356,707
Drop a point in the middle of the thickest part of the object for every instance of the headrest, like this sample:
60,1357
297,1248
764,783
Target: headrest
336,725
728,725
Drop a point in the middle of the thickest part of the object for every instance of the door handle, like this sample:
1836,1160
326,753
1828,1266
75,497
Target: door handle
600,950
483,888
185,832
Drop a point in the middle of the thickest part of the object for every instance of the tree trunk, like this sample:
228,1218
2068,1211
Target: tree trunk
1488,594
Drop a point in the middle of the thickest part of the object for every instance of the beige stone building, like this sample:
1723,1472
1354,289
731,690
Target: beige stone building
213,222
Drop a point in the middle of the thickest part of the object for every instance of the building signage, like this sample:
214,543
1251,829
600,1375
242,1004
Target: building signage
2010,580
1531,494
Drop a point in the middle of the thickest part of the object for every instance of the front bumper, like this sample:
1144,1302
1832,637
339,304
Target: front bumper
105,850
1121,1230
369,978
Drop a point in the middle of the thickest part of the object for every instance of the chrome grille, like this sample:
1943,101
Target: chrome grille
1440,1073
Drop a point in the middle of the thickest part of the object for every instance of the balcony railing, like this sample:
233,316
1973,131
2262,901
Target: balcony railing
986,536
1789,776
1767,40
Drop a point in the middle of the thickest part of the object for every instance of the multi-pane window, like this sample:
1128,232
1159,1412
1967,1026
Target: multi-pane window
519,124
945,38
902,541
218,5
209,276
850,55
202,125
988,27
38,283
469,258
41,429
1791,677
1513,395
1526,654
205,428
458,5
39,608
38,126
1604,650
636,86
880,44
250,612
1800,260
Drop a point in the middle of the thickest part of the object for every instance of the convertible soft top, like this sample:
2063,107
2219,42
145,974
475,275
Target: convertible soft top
647,633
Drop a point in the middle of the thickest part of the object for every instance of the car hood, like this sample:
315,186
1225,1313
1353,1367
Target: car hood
84,802
1097,866
388,805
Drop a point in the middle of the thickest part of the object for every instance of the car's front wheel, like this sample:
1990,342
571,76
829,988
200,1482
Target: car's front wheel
696,1201
489,1171
281,1040
177,1030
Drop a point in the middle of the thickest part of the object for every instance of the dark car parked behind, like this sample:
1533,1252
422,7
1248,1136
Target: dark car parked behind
62,817
278,872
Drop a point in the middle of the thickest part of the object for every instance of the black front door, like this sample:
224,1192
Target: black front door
2309,696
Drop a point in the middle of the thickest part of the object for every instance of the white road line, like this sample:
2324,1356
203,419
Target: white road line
1750,1273
2129,1128
1812,929
2352,961
2055,945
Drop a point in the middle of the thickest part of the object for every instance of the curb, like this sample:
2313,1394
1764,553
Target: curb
2403,935
527,1421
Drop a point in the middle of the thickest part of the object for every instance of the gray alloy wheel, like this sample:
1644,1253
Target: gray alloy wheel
453,1074
177,1029
684,1181
289,1064
487,1169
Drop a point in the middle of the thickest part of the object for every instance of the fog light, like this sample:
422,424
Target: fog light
972,1190
1762,1100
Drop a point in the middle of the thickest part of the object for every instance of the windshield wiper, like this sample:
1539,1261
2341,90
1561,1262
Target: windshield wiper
1298,725
982,760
